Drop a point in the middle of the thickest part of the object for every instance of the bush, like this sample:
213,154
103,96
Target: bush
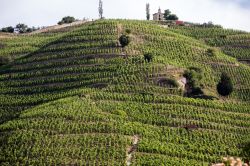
148,57
190,75
8,29
124,40
66,20
225,86
194,75
4,60
22,28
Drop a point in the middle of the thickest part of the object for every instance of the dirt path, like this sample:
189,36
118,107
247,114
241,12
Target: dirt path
132,149
59,26
182,82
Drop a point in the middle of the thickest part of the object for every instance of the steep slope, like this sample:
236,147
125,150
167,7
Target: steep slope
117,95
232,42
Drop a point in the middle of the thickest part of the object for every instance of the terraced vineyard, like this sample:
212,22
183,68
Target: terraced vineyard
73,96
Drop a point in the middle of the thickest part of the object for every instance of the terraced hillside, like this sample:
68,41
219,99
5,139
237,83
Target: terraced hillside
232,42
75,97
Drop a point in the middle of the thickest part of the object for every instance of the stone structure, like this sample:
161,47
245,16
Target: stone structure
158,16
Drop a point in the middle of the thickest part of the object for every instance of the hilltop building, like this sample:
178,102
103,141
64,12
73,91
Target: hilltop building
158,16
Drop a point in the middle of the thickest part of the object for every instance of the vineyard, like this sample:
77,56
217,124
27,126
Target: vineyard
74,96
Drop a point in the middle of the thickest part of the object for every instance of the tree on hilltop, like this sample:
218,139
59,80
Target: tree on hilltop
166,13
66,20
22,28
169,16
148,11
100,9
9,29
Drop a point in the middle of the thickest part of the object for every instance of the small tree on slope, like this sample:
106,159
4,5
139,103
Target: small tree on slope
124,40
225,86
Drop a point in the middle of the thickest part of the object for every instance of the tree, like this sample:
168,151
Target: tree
194,76
9,29
172,17
166,14
66,20
225,86
148,57
148,11
100,9
22,28
169,16
124,40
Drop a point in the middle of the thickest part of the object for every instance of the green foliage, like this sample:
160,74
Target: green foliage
167,13
194,76
148,57
9,29
67,20
225,86
98,127
169,16
22,28
246,150
124,40
121,113
172,17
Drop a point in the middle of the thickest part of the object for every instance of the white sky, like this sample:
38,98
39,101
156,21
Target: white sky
229,13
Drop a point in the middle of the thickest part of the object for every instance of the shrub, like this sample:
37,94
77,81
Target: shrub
148,57
67,20
8,29
194,76
22,28
190,75
246,149
225,86
124,40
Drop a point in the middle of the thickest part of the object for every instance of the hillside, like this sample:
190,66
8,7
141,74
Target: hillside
73,96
